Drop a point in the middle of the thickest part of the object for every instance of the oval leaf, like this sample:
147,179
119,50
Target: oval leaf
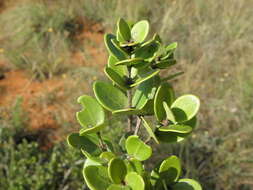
110,97
83,142
92,114
134,165
149,130
140,31
96,177
145,76
117,170
187,184
138,149
135,181
121,70
118,187
116,78
185,107
124,29
114,50
134,62
164,93
144,92
170,169
176,128
91,130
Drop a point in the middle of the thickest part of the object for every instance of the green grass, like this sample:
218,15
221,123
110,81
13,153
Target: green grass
39,37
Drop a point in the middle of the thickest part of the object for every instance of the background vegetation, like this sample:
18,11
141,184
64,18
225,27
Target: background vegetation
43,39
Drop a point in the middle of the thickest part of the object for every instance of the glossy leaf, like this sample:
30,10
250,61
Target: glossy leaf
145,76
147,50
170,137
185,107
187,184
135,181
134,165
116,78
121,70
170,77
164,93
96,177
169,114
144,92
134,62
86,131
107,156
83,142
164,64
184,129
110,97
137,148
118,187
117,170
149,130
171,47
112,48
124,29
140,31
170,169
92,114
127,111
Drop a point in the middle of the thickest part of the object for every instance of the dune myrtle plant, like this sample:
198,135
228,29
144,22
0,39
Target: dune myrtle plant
137,91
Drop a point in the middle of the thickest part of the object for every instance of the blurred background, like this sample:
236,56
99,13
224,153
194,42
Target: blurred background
51,51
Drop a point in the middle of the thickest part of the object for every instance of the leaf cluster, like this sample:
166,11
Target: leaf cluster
136,91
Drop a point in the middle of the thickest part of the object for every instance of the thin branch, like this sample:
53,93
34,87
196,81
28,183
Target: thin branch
103,146
138,126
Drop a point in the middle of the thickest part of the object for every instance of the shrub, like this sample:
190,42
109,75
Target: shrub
137,91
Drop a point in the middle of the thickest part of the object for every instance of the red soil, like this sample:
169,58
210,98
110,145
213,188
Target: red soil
17,83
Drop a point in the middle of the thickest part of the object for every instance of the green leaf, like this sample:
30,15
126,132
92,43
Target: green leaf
92,115
187,184
148,109
144,92
121,70
83,142
134,165
138,149
149,130
124,29
89,162
110,97
127,111
170,137
112,48
140,31
169,114
145,76
164,64
107,156
134,62
116,78
184,129
91,130
171,47
135,181
192,122
164,93
117,170
96,177
118,187
147,50
170,169
185,107
170,77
